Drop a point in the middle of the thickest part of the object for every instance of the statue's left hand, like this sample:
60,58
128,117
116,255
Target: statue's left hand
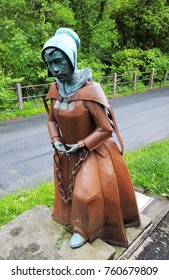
73,149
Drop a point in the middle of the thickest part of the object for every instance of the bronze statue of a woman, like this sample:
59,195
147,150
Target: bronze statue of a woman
93,189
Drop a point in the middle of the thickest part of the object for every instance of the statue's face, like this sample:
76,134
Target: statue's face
59,65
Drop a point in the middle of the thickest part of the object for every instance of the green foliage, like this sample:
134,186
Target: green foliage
116,36
61,238
143,23
95,65
25,26
103,46
26,112
149,167
154,58
5,95
128,60
12,205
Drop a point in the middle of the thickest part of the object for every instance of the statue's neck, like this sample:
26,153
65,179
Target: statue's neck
77,80
70,85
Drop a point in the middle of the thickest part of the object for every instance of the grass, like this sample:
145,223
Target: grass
61,238
149,168
21,113
12,205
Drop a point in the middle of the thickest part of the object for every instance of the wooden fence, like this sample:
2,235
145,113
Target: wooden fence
22,98
21,94
135,81
114,83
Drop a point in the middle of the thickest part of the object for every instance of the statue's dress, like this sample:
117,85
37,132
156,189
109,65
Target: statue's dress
103,201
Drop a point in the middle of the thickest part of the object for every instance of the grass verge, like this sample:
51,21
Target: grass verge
12,205
149,168
21,113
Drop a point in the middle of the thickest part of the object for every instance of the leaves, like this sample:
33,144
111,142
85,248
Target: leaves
119,36
143,24
25,26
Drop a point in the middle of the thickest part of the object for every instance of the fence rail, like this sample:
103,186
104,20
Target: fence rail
112,84
134,80
19,96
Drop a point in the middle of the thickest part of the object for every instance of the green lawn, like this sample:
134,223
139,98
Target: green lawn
21,113
149,168
12,205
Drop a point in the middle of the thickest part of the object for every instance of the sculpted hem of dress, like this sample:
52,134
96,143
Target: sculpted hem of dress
116,203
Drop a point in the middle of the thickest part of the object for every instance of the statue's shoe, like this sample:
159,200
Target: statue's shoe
77,241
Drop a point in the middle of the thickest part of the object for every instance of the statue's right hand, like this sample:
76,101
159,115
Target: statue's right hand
60,147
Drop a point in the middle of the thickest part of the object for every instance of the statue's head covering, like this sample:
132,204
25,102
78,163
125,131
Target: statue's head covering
67,41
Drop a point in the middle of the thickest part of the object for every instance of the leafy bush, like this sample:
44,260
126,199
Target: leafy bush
95,65
116,36
5,82
128,60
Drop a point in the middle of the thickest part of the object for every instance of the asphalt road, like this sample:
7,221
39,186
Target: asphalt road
157,247
26,155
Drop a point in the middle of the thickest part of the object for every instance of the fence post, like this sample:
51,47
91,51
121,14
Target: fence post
134,80
151,78
19,94
165,76
114,83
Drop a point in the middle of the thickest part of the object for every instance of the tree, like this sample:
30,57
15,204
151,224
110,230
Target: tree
106,29
25,26
143,23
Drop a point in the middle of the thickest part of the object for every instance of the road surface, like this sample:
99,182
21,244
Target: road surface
26,155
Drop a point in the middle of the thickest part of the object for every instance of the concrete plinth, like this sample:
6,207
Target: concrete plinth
35,236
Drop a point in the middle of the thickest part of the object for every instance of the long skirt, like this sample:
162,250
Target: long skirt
103,200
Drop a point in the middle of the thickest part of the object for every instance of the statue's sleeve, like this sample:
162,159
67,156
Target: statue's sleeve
103,128
52,125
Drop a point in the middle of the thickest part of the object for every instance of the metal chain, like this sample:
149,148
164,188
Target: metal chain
67,198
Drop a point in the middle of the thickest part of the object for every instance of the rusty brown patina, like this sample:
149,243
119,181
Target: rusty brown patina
94,194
